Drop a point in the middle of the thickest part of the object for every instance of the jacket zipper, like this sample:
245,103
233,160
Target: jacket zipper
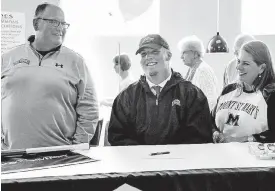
40,57
40,60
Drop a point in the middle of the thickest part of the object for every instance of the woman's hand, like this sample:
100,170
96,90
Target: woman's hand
221,138
218,137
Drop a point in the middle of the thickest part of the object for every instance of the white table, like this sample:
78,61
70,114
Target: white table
135,161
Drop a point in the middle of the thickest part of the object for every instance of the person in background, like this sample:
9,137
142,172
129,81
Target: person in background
122,65
199,73
245,110
48,95
231,74
160,108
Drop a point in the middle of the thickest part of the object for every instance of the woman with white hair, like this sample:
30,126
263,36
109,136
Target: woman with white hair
199,73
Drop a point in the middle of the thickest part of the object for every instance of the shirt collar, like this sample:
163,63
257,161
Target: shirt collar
162,84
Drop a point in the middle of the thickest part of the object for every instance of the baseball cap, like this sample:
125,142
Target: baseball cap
152,41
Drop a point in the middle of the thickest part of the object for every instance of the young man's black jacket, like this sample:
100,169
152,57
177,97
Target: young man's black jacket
179,116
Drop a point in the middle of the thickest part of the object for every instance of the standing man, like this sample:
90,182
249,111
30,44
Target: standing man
48,95
161,108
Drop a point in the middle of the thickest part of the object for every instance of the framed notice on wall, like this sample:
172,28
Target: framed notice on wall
12,30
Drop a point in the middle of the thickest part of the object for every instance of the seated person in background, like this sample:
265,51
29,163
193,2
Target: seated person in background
245,110
199,73
48,95
161,108
230,74
122,65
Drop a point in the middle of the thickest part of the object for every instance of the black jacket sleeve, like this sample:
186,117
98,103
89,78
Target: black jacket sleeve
269,135
198,118
120,131
213,116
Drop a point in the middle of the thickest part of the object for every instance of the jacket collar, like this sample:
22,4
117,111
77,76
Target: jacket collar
32,38
268,90
174,80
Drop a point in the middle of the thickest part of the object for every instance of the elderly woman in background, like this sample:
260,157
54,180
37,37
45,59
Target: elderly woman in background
230,74
245,110
199,73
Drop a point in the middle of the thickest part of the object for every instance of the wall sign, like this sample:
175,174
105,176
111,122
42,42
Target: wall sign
12,30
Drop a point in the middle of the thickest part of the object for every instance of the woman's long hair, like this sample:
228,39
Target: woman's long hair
261,55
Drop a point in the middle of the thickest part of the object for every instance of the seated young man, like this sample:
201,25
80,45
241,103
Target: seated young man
161,108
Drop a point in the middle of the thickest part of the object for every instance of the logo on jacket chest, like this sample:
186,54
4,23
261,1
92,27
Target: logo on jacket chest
22,61
59,65
176,102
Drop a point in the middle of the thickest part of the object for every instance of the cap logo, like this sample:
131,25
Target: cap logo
147,40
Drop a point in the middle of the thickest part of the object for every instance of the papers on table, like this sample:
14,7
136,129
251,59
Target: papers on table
43,157
262,150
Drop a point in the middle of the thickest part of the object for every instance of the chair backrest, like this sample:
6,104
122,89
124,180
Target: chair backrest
106,141
95,140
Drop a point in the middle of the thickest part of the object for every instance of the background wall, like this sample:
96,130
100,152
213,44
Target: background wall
178,18
105,48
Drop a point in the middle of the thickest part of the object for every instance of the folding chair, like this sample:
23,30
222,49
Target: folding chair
95,140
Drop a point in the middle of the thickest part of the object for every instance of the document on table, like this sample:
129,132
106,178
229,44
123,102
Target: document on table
42,161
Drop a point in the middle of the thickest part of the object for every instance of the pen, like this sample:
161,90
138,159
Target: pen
160,153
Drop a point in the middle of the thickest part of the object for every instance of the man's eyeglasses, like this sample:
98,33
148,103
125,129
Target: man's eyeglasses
56,23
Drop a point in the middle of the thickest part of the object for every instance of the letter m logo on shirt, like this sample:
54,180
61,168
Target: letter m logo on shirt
232,120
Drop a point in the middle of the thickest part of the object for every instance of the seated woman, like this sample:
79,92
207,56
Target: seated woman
245,110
